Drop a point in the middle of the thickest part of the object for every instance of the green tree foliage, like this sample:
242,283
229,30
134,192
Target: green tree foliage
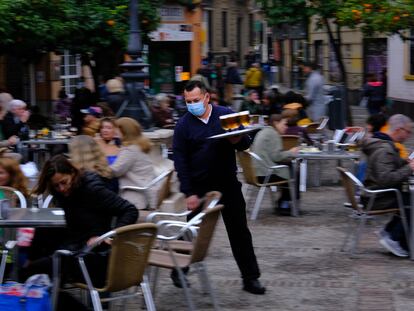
378,16
29,27
279,11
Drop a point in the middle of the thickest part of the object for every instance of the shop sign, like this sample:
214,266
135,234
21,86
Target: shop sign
172,32
185,76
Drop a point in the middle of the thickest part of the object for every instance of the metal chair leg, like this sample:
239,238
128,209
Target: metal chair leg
146,291
3,264
348,234
256,207
154,278
187,291
96,301
201,277
213,296
358,235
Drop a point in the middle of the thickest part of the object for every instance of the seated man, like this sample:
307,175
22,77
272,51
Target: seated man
15,121
91,120
386,169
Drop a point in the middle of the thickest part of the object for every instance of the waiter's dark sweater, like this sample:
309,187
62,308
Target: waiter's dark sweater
204,164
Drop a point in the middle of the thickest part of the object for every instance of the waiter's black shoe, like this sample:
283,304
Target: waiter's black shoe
253,287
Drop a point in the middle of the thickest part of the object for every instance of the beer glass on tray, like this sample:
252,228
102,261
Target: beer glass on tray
234,120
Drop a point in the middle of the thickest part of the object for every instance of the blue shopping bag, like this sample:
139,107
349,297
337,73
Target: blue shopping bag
24,297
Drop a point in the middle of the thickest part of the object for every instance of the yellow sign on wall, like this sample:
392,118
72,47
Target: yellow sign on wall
185,76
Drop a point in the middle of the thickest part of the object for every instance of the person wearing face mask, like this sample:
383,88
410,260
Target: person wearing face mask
204,165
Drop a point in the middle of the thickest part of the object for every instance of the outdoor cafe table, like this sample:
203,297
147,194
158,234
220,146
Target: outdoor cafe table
41,143
41,217
27,217
46,141
321,156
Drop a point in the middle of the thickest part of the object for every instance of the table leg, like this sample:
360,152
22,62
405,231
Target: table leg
303,168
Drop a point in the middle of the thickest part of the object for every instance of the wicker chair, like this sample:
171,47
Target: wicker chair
130,249
246,162
162,193
361,213
168,258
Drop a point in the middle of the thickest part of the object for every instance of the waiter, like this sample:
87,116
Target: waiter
205,165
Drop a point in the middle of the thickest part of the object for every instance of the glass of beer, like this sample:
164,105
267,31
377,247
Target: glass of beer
244,118
352,147
254,118
230,121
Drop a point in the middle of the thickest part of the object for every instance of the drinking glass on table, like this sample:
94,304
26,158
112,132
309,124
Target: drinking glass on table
34,203
32,134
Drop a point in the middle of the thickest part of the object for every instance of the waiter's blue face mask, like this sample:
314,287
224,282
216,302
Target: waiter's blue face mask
197,109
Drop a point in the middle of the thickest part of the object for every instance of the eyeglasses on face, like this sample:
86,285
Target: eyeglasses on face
407,131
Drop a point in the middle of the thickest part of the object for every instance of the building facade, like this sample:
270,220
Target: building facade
400,86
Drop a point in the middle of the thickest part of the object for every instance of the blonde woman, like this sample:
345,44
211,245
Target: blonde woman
86,155
133,166
108,140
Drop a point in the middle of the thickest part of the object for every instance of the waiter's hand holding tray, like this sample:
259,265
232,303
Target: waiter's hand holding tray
236,124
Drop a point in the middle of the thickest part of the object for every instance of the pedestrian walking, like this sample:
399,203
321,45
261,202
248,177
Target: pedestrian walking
374,91
254,79
314,91
233,81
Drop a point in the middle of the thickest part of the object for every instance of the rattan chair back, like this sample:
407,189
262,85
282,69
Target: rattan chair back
205,233
130,250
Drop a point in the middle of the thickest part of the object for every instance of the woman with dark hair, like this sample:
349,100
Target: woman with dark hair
271,103
89,209
375,123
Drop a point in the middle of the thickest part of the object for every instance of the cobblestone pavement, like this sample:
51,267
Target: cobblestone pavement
301,262
302,265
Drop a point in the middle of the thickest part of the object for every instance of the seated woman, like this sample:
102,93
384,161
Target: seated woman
86,155
133,167
268,145
296,101
272,102
108,140
89,210
292,117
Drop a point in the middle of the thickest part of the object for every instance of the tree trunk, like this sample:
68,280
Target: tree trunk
337,45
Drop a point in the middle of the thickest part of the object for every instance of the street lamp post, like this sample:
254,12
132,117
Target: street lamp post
135,74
